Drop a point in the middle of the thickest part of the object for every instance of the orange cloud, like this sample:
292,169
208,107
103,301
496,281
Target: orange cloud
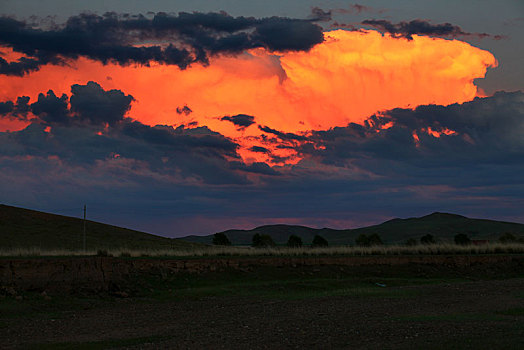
348,77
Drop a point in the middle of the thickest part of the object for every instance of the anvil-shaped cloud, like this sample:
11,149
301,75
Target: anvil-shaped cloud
251,126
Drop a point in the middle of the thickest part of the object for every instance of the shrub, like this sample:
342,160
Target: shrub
507,238
262,241
319,241
411,242
362,240
220,238
102,252
256,241
462,239
294,241
368,241
427,239
374,239
125,255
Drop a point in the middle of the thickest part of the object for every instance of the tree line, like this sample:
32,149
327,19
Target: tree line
363,240
265,241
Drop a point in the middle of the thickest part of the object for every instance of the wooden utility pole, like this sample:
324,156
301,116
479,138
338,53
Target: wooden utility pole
84,240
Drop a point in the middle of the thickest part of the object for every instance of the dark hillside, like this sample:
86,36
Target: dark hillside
23,228
443,226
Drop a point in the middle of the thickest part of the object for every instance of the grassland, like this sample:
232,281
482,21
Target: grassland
34,230
217,251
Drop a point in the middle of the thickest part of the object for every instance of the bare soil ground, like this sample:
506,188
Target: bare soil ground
220,311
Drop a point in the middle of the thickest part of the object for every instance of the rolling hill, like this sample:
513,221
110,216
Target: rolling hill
279,233
443,226
23,228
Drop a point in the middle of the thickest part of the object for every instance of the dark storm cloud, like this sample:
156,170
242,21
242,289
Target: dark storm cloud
22,106
184,110
485,130
91,102
24,65
422,27
282,35
155,152
242,121
177,177
180,40
52,109
255,168
6,107
259,149
95,134
198,140
17,110
284,136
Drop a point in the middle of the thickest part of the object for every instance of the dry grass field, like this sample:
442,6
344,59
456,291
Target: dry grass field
210,251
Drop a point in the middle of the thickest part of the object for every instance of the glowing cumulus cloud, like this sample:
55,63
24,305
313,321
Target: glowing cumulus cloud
348,77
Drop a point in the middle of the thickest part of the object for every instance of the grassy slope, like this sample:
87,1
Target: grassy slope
24,228
441,225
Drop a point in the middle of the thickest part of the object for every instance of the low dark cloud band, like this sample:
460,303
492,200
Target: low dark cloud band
422,27
180,40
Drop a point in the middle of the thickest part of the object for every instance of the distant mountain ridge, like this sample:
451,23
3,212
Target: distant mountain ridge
443,226
24,228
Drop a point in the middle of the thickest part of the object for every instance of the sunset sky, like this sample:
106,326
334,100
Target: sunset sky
192,117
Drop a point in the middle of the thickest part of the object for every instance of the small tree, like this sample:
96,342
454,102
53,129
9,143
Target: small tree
411,242
319,241
462,239
427,239
368,241
262,241
374,239
294,241
362,240
256,240
268,241
220,238
507,238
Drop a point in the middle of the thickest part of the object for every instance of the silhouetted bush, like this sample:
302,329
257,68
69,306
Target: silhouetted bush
368,241
427,239
374,239
125,255
319,241
220,238
294,241
411,242
102,252
256,241
508,238
362,240
262,241
462,239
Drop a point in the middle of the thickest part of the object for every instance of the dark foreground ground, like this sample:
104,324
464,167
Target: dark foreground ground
372,307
